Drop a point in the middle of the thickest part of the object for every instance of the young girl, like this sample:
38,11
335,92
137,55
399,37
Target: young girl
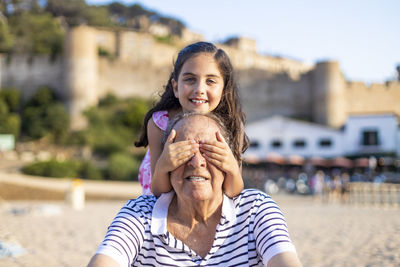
202,81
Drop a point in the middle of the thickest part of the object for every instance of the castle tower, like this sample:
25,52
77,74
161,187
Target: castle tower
81,73
327,90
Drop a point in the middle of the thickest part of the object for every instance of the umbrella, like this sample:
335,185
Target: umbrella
341,162
251,158
295,160
362,162
318,161
275,158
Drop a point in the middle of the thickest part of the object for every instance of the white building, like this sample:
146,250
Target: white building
362,135
372,134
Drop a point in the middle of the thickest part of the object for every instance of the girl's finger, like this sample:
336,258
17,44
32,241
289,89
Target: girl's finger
171,137
186,154
214,156
183,157
217,148
213,161
220,137
185,146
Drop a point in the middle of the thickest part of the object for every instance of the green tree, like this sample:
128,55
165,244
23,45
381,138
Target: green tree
53,168
97,16
32,123
122,167
6,39
9,7
118,9
73,11
137,10
89,171
16,7
37,34
133,116
109,100
10,122
56,121
43,97
106,139
11,97
3,108
44,114
113,125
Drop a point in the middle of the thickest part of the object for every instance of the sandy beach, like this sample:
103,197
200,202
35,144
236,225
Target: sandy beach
51,233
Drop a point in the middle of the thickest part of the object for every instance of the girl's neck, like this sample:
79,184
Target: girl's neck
173,112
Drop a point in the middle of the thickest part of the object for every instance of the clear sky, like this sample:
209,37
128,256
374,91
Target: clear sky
363,35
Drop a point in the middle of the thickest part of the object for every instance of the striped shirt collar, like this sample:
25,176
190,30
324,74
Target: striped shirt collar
160,212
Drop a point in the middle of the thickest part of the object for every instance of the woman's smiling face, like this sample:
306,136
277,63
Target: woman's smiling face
197,179
200,84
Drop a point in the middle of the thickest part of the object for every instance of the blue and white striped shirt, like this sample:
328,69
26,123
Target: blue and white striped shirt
251,231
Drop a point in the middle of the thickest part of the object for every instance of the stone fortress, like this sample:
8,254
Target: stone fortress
137,65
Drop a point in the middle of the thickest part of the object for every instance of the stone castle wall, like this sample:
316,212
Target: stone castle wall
125,80
247,59
375,98
264,94
137,65
28,74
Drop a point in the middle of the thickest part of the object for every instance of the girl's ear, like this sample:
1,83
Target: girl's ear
175,87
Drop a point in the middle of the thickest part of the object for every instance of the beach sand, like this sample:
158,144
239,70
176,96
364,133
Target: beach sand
343,235
52,233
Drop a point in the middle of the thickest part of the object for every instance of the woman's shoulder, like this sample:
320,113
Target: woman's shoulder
141,205
252,192
251,195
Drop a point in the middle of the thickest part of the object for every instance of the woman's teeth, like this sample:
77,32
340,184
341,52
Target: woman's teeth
196,178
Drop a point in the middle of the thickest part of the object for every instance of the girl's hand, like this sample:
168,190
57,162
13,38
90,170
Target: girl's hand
219,154
176,154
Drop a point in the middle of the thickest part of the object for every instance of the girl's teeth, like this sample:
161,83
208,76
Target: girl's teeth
198,101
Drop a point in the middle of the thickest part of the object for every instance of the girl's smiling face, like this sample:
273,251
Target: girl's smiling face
200,84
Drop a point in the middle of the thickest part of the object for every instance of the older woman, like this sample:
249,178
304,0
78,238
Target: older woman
196,224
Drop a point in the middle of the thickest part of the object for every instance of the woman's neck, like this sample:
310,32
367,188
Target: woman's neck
190,213
194,224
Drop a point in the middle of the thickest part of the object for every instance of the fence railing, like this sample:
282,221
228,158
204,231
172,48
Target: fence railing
378,194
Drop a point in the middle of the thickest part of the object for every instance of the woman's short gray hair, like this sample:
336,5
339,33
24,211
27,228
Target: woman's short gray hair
181,116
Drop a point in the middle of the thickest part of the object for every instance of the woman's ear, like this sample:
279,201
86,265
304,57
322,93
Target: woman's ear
175,87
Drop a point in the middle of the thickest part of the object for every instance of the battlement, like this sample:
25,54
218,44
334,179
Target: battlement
379,87
242,43
250,59
125,44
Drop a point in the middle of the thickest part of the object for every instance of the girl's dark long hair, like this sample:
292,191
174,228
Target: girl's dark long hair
229,108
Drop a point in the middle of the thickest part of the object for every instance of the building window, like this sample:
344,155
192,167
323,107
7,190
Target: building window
325,143
300,143
370,138
254,144
276,144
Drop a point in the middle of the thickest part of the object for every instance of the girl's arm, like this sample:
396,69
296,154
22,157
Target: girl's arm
159,181
233,183
219,154
164,160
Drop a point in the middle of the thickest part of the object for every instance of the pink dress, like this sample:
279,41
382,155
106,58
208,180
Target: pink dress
160,118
